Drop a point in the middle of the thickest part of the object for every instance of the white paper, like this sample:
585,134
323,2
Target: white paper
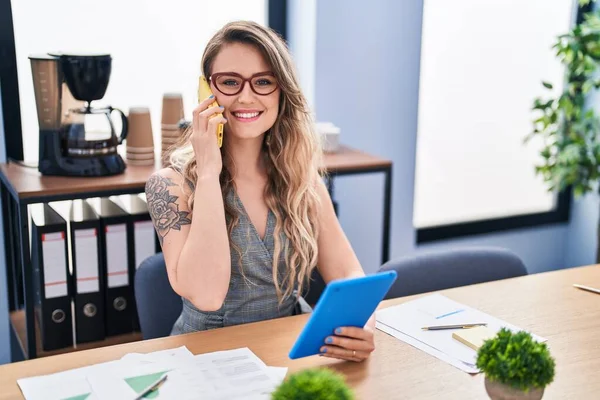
116,256
61,385
106,385
74,382
112,384
176,355
144,241
228,374
278,374
408,319
86,260
232,374
54,263
427,349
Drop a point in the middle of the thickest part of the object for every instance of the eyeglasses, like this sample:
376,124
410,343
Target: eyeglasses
230,83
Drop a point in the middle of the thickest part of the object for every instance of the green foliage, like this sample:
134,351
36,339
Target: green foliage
570,131
516,360
313,384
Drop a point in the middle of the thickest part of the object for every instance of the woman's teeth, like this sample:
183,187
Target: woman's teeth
246,115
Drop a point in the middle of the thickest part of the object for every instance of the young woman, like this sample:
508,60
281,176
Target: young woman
243,226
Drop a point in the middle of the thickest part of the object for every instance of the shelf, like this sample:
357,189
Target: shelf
30,186
17,319
349,160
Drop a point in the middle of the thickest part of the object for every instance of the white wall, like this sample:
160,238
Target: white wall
160,55
367,81
367,84
302,38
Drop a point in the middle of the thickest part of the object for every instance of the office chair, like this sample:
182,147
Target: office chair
315,289
440,270
157,303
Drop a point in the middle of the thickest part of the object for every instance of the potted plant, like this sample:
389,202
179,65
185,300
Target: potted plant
313,384
515,366
568,127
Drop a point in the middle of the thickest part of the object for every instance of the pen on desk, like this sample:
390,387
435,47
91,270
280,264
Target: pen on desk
458,326
152,387
589,289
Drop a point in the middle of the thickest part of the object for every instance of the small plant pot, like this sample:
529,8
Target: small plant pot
500,391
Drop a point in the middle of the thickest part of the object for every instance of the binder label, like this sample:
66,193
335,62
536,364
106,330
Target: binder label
54,264
86,260
116,256
144,241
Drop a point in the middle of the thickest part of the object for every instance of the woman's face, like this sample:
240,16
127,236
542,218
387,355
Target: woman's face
249,115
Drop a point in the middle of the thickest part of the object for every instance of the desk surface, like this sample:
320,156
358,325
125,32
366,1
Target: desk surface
28,183
546,304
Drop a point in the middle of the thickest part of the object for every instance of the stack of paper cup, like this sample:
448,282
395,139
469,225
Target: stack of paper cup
330,136
139,143
172,113
166,153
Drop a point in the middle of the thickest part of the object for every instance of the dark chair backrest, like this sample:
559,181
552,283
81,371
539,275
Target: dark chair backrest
440,270
157,303
315,288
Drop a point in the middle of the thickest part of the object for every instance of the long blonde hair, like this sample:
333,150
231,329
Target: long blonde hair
292,155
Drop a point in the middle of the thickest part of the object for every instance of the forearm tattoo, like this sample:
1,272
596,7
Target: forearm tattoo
163,207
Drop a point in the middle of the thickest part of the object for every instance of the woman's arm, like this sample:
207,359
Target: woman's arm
337,260
195,246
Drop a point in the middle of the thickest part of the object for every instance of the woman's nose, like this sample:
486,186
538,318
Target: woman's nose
246,96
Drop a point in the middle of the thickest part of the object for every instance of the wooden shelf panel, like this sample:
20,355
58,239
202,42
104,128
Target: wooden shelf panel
28,183
347,159
17,319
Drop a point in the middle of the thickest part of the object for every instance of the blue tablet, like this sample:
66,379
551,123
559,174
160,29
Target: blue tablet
345,302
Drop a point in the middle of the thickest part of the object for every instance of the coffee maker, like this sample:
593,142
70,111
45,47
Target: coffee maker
76,139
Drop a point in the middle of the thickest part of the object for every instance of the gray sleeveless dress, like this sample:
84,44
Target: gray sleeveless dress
251,299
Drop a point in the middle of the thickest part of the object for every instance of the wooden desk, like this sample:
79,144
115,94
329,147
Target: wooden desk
546,304
21,186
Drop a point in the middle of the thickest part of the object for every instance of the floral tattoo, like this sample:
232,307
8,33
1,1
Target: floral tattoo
163,207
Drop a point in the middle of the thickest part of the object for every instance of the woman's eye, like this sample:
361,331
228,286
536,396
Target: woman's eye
229,82
263,82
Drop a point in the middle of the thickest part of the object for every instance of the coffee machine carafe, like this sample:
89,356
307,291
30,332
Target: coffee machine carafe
76,139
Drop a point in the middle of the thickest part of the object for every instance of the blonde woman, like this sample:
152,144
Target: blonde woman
242,227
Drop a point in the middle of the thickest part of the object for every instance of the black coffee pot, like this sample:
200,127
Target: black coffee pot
93,131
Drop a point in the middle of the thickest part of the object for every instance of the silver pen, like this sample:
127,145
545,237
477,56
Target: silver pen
457,326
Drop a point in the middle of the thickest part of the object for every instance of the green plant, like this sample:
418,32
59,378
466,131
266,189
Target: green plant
568,129
516,360
313,384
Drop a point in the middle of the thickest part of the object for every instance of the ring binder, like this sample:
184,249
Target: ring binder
85,259
51,277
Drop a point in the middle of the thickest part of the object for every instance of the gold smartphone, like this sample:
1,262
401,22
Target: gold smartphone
203,92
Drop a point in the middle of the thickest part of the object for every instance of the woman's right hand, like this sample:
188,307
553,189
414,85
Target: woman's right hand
204,139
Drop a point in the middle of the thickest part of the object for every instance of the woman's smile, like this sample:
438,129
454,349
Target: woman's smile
246,115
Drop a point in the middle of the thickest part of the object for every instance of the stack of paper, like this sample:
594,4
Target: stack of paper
232,374
405,322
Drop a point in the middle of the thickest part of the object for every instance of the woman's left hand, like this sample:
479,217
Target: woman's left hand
350,343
